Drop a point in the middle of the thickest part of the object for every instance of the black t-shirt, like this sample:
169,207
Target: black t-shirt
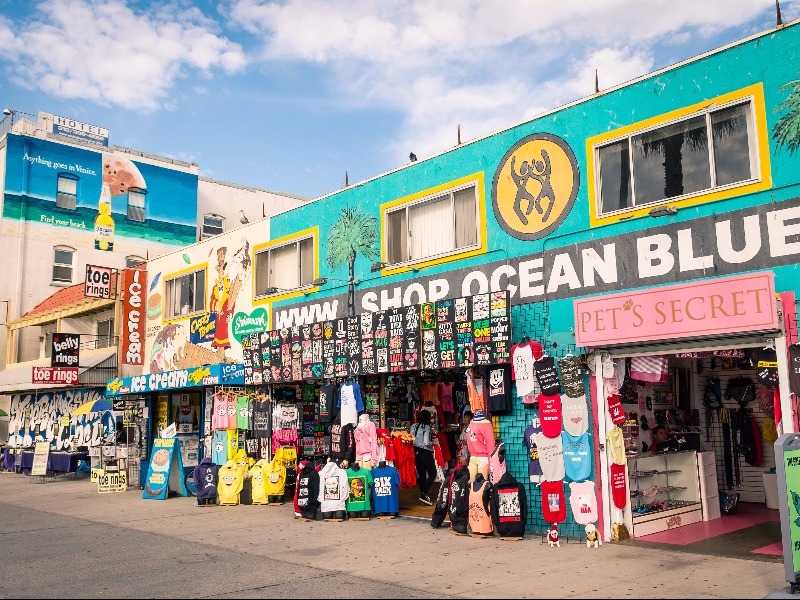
767,367
545,370
262,418
499,389
571,376
327,402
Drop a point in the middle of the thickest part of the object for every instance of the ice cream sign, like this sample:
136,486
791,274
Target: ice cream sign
704,308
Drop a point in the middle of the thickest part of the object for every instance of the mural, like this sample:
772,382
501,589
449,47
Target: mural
353,233
230,277
35,417
786,130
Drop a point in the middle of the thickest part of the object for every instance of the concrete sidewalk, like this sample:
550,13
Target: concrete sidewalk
409,552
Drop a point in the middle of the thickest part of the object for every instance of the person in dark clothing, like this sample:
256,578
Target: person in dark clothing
423,455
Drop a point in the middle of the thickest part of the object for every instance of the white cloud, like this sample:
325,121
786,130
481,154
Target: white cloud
106,52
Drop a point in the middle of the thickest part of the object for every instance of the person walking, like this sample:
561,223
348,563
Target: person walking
423,455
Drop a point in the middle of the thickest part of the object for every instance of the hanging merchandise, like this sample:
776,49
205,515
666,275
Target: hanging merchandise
443,500
403,446
769,432
766,401
220,418
458,508
616,410
619,485
546,376
554,506
386,484
523,354
509,507
275,472
350,402
551,457
233,414
583,501
571,376
343,445
767,367
794,369
261,425
385,447
359,481
366,440
306,495
480,509
328,401
480,437
206,479
575,414
499,389
219,450
497,463
741,390
243,412
446,397
616,444
258,483
750,446
653,369
550,414
230,481
529,440
577,455
475,391
333,488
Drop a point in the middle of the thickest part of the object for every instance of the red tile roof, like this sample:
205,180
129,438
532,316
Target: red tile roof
63,298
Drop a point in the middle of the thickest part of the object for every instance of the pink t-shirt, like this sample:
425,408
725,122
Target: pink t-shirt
220,418
480,438
550,415
446,396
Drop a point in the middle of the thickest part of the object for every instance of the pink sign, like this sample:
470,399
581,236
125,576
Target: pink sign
65,375
703,308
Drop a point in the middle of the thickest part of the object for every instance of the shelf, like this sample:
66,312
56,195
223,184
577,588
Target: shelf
652,473
664,510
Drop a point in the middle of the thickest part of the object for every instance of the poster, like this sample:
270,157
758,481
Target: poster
381,336
411,338
462,317
354,346
247,360
328,349
266,356
445,334
165,471
41,453
500,327
481,329
369,365
255,357
397,335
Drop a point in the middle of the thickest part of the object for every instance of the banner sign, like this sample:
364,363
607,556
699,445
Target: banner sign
202,328
134,286
57,375
112,481
220,374
65,350
97,283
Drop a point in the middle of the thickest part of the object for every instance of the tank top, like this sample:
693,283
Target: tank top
497,467
480,521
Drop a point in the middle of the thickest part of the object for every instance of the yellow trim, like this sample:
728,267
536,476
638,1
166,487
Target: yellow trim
478,179
175,275
313,233
755,92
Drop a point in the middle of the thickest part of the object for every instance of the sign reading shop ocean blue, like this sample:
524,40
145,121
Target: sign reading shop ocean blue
227,374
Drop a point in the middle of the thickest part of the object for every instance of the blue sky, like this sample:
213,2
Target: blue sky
289,95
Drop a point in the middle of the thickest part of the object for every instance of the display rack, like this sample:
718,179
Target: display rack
664,491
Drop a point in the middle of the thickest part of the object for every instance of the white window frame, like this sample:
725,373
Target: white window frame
428,199
105,340
264,254
204,230
198,299
47,338
62,265
67,200
753,147
137,205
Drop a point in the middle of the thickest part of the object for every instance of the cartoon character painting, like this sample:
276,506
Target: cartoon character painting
168,348
231,275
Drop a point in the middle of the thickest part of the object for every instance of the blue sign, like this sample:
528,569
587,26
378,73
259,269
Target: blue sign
203,328
226,373
165,472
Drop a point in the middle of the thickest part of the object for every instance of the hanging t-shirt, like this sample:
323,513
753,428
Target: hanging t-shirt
242,412
529,440
545,370
550,414
619,485
285,416
220,418
386,483
499,390
551,457
794,369
219,449
575,414
767,367
522,357
616,410
571,376
350,403
446,397
233,442
233,420
577,455
475,392
262,418
359,481
616,443
554,506
654,369
327,402
583,501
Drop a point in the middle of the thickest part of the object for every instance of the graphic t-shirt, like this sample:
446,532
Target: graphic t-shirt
616,410
529,440
550,414
577,455
551,457
386,483
545,369
522,357
619,485
262,418
575,414
220,418
571,376
275,477
499,389
583,501
794,369
333,489
446,397
767,367
359,481
233,421
328,399
616,443
554,506
242,412
350,403
219,448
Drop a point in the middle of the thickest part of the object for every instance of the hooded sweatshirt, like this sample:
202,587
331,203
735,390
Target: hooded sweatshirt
343,445
333,488
205,479
308,489
509,506
459,499
366,439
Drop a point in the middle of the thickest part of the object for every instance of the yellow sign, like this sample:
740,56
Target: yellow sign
162,411
40,454
64,420
535,186
95,474
116,481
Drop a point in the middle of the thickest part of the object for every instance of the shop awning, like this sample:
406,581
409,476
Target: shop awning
95,369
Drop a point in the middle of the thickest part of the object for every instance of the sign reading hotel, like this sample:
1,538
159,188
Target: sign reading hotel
134,285
703,308
75,129
98,282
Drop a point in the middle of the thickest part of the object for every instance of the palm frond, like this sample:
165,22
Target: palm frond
786,130
354,233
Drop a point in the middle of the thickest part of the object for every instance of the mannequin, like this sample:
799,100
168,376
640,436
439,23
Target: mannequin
481,444
366,440
359,499
480,514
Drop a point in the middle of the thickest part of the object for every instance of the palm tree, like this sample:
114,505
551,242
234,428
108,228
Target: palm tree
354,233
786,131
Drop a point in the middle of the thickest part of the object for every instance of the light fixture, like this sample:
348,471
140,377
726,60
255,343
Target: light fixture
660,211
320,281
378,266
8,111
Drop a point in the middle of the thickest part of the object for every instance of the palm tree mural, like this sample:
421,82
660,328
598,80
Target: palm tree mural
786,131
353,233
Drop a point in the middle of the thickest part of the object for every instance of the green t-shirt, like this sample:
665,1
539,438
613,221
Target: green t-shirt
360,484
242,412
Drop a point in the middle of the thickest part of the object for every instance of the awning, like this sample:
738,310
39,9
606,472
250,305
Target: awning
97,367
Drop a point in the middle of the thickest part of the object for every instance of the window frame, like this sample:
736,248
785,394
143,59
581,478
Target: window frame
71,251
474,181
203,234
138,192
64,176
758,141
109,339
198,270
294,239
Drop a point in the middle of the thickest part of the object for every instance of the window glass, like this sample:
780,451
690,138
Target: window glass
464,203
185,294
105,333
733,159
615,176
136,205
284,267
62,265
306,261
431,228
67,192
132,261
212,225
397,236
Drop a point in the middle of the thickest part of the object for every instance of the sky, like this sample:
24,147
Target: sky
290,95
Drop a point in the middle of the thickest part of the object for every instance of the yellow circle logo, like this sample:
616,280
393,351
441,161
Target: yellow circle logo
535,186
